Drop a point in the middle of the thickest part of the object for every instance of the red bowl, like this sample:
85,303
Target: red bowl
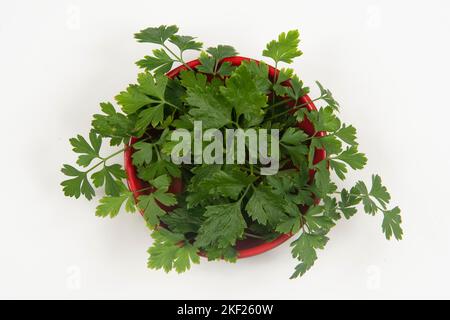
248,247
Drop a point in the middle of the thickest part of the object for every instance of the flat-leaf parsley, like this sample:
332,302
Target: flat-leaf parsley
225,203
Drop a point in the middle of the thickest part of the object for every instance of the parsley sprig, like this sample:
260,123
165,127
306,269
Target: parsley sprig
223,204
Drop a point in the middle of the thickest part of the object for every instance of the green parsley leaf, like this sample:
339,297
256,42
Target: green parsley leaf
331,144
360,190
226,69
293,141
160,62
297,89
347,134
285,75
158,168
211,63
208,64
379,192
392,224
304,249
150,116
348,203
143,154
183,220
227,184
322,178
171,251
294,136
110,206
285,49
350,157
112,124
293,199
151,90
185,255
260,73
149,204
353,158
266,207
77,186
201,173
208,105
288,182
316,220
224,225
133,99
164,250
243,93
162,183
221,52
198,194
324,120
228,254
327,96
339,167
330,209
185,43
289,225
156,35
109,177
153,86
279,87
297,154
88,152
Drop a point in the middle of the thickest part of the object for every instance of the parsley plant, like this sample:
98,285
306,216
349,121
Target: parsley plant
223,204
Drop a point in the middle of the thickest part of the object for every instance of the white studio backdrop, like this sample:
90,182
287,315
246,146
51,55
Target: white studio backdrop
387,62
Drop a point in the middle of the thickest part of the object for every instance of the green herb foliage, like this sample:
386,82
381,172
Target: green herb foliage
223,204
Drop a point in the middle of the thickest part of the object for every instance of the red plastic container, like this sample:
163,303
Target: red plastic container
248,247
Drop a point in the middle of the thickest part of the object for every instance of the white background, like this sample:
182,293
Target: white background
386,61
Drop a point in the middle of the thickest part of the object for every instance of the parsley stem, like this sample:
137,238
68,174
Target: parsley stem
302,224
359,197
251,235
158,154
172,105
252,170
378,207
245,193
307,227
104,160
280,103
275,80
178,58
143,190
291,109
